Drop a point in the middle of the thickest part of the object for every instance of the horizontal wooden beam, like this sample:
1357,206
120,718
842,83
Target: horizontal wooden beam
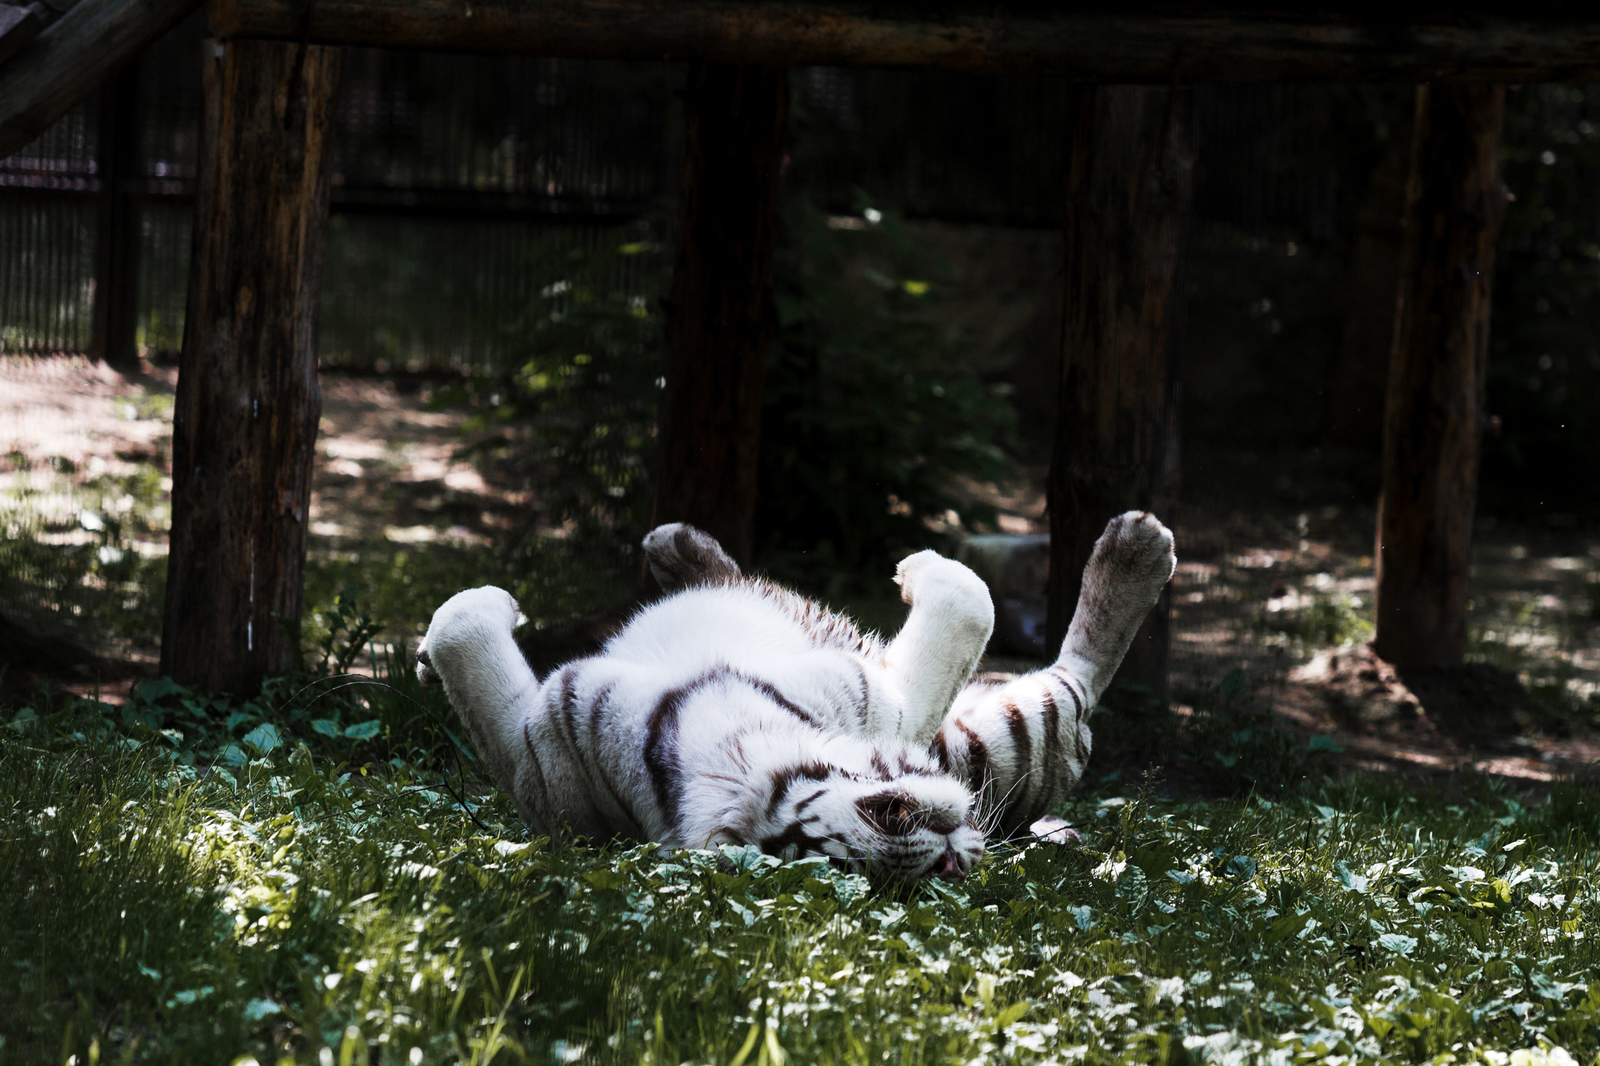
69,60
1103,41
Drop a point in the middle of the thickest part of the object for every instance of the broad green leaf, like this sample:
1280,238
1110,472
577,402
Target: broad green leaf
364,730
263,738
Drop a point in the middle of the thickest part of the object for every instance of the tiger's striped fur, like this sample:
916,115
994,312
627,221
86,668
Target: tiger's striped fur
736,711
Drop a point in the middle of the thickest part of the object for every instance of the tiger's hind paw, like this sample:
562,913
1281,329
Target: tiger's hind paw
681,555
1131,562
1134,556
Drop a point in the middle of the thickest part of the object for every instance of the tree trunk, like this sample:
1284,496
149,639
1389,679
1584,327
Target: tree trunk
116,267
1129,175
1361,371
245,424
721,315
1433,419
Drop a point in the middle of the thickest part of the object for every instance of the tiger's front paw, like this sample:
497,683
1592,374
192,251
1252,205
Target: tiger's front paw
927,577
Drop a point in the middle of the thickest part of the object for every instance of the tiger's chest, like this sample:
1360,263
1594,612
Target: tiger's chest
693,708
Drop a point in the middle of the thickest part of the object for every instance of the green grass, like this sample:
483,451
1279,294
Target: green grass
300,879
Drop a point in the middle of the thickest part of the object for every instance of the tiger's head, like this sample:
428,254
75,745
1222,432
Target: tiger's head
906,823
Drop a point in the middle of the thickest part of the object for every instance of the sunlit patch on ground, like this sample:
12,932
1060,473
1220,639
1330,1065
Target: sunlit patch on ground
1285,594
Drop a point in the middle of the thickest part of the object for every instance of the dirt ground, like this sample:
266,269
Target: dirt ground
1275,573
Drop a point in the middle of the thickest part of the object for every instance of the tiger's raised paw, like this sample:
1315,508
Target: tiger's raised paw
1134,556
928,577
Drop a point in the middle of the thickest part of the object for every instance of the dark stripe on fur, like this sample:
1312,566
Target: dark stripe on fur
1078,709
880,767
602,700
769,690
782,779
1052,751
793,834
538,769
661,752
866,693
1023,743
800,808
978,776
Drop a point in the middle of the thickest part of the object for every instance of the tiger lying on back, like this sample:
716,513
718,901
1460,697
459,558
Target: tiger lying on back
733,711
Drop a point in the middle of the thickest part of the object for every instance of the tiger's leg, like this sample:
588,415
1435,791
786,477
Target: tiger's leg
1023,744
932,657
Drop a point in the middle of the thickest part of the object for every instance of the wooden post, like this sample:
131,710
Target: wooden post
1130,166
1433,418
721,315
248,404
1360,373
116,261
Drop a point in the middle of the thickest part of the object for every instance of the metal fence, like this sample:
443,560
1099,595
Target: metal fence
448,169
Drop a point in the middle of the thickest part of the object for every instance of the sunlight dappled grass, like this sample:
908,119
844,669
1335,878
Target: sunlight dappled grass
190,881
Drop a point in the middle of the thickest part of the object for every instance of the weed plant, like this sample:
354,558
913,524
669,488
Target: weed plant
70,553
303,877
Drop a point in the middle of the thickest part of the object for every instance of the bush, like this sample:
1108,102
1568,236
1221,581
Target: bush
870,415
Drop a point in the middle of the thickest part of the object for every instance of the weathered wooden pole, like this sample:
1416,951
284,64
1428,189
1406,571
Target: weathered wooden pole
248,403
721,316
1433,417
1130,165
1360,373
116,266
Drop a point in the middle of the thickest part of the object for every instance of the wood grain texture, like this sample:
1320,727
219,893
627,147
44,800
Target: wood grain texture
1118,42
1433,418
72,57
721,315
248,403
1130,171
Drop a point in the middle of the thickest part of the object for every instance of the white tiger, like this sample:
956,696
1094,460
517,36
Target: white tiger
734,711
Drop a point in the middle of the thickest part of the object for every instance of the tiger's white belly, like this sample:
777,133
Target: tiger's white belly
661,733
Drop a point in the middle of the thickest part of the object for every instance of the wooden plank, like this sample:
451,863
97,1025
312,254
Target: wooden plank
19,25
721,314
73,57
1117,42
1130,170
248,403
1433,418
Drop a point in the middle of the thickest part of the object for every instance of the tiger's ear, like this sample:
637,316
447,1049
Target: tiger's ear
682,556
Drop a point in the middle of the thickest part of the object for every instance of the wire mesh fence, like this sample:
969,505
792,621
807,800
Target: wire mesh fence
448,169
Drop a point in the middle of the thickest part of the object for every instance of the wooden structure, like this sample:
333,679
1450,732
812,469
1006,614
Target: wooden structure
247,328
248,403
720,316
1131,163
1434,417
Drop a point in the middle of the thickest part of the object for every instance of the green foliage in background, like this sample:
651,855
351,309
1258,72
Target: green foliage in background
296,882
869,414
572,420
